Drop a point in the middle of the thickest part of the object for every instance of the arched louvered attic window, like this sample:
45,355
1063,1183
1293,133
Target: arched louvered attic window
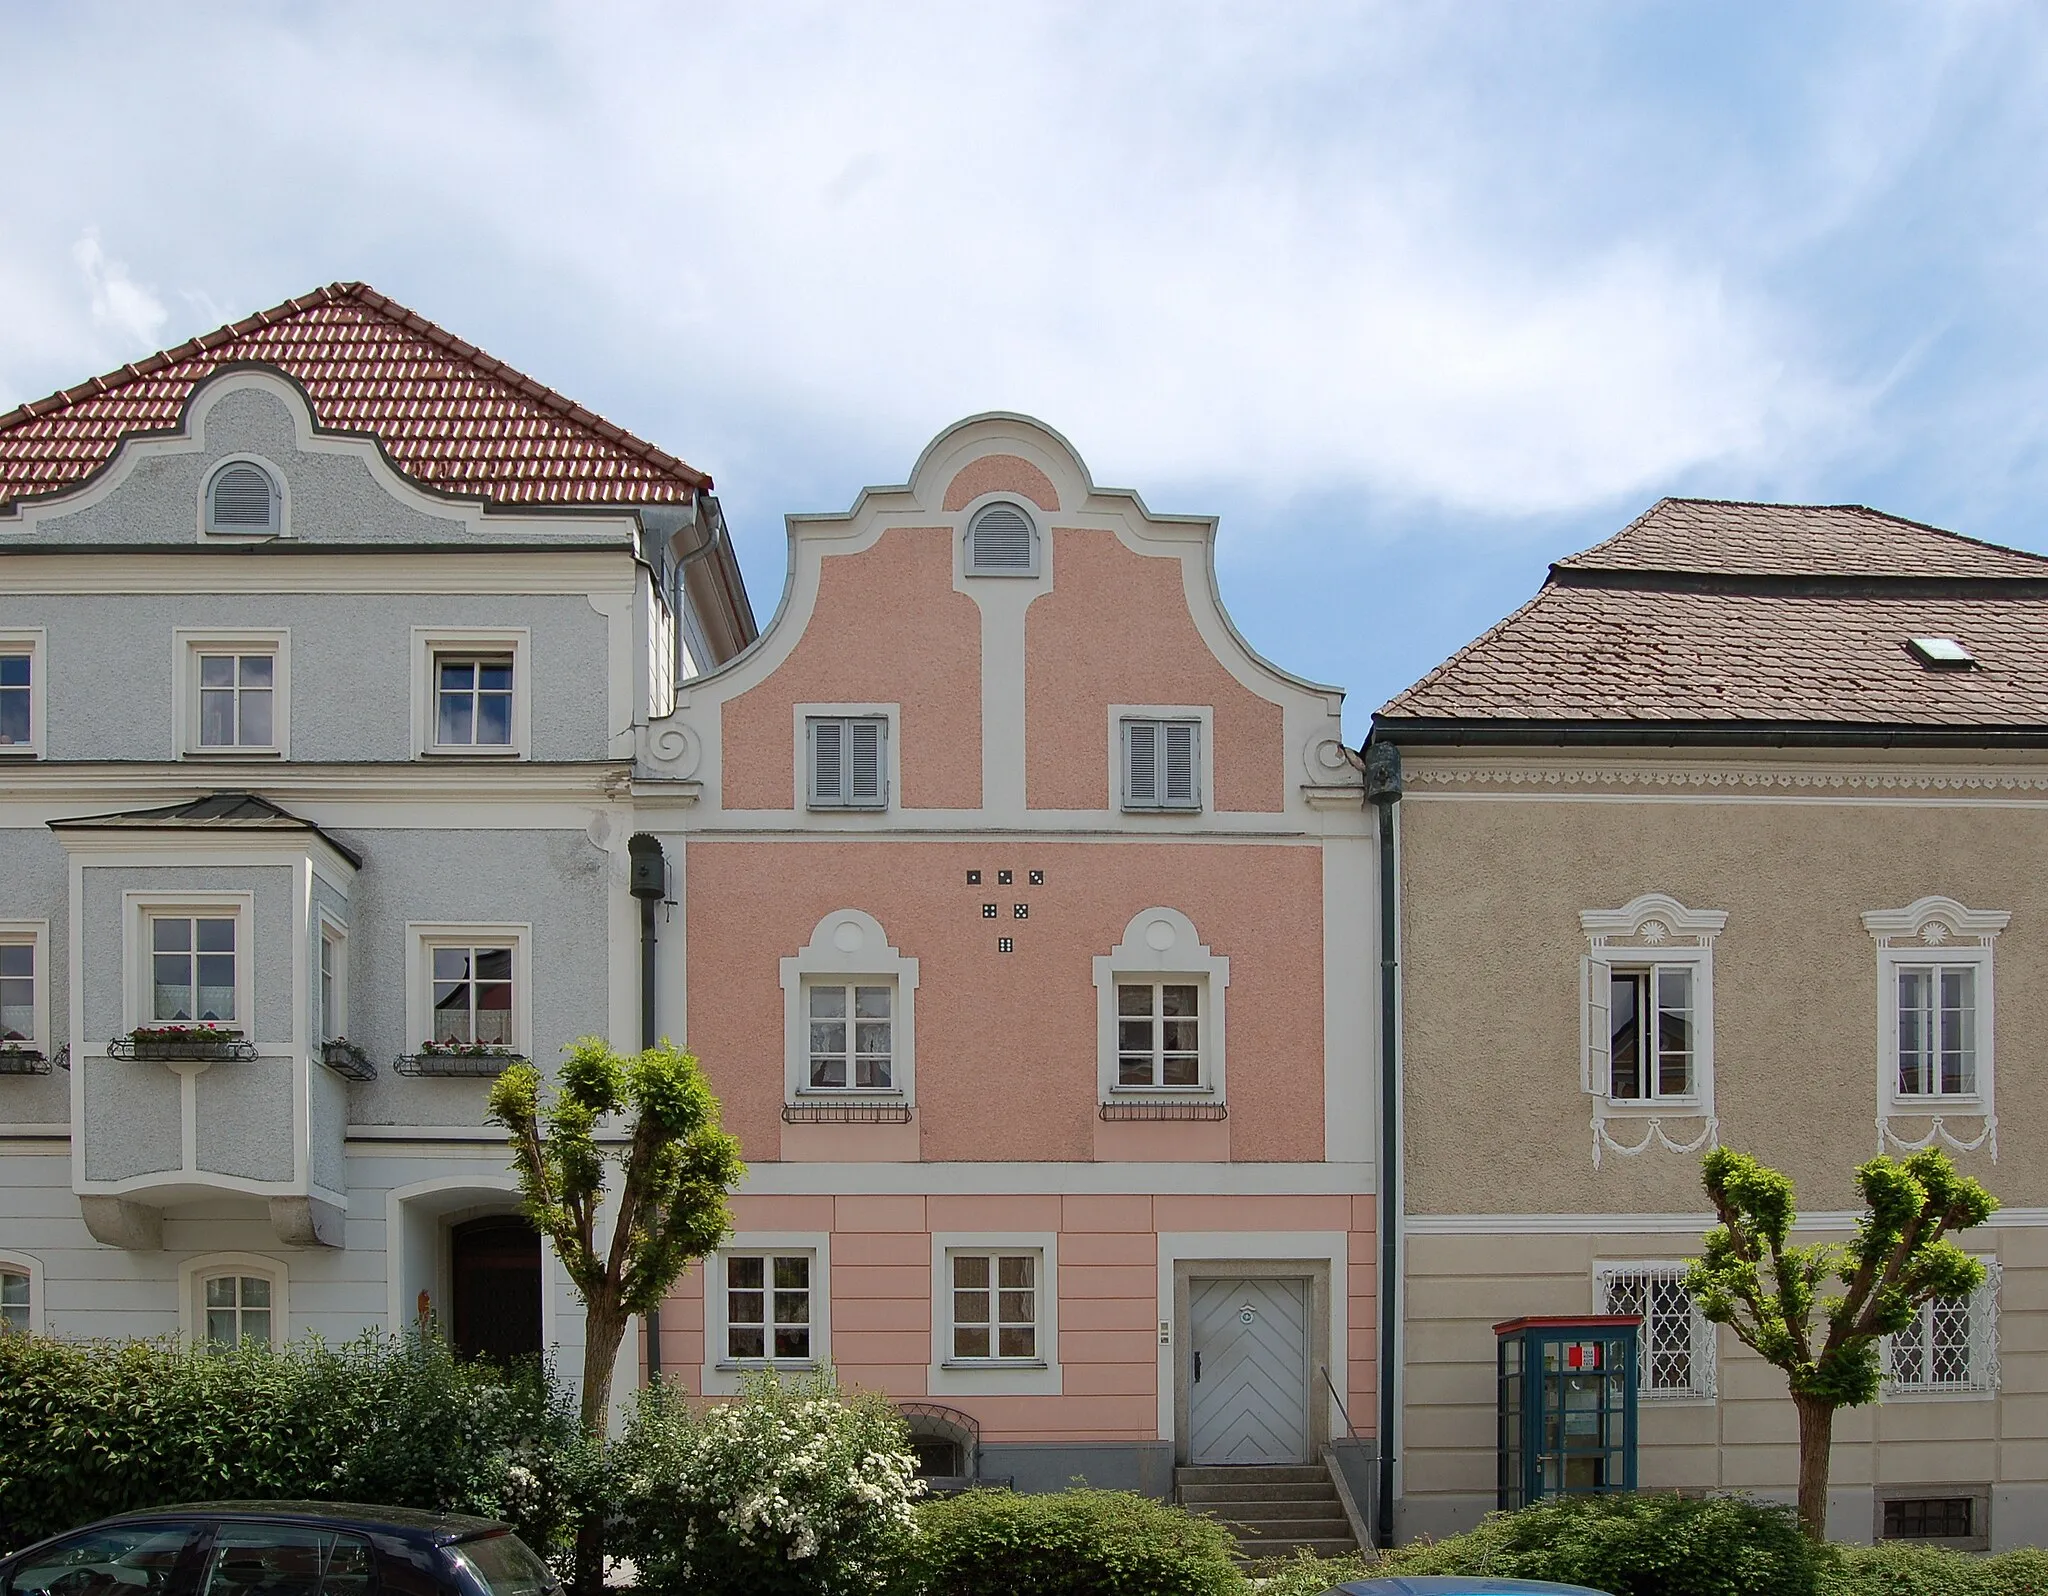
1001,541
242,497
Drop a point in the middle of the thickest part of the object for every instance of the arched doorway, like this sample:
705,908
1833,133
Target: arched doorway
494,1268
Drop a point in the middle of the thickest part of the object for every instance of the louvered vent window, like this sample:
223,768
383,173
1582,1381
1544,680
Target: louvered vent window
1162,761
241,498
849,762
1001,542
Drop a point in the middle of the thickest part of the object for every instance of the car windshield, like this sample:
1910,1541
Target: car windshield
124,1560
504,1566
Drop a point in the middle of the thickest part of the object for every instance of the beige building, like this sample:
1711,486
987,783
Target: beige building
1734,834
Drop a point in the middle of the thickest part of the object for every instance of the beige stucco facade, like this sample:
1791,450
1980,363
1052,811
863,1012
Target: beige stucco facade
1507,1212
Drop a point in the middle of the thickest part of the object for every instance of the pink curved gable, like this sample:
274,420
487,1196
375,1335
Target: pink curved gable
1115,629
887,628
1001,473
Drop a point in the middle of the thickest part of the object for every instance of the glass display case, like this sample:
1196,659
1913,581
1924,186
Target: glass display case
1567,1396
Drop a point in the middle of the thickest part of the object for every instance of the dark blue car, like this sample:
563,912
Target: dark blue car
280,1549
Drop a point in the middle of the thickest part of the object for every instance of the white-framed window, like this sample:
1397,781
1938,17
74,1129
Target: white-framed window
1935,1020
1160,1004
471,985
995,1322
24,984
849,1013
330,983
233,693
1162,762
190,959
847,761
768,1304
1951,1347
1646,1022
852,1034
243,497
21,693
231,1299
1675,1347
472,691
1001,539
21,1294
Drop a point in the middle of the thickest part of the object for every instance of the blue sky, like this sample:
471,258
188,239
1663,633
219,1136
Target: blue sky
1415,297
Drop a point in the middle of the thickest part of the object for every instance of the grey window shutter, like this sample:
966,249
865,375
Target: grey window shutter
1596,1035
864,761
1141,762
243,500
828,764
1178,787
999,542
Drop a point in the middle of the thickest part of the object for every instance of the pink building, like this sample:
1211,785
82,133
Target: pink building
1023,916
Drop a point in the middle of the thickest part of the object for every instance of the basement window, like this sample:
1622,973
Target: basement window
1941,653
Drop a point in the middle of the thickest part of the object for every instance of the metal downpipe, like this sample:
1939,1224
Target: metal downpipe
1383,791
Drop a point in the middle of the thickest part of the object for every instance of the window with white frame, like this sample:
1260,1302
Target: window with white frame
233,692
17,1302
236,1309
1675,1343
1935,1020
1950,1347
1160,1010
472,691
847,761
995,1305
330,988
1646,1016
852,1035
21,1005
1159,1033
1162,763
472,700
194,969
849,1013
768,1306
21,693
472,992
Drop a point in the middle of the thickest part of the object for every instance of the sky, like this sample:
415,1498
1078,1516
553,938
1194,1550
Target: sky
1415,297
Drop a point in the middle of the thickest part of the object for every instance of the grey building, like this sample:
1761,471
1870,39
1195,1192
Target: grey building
326,647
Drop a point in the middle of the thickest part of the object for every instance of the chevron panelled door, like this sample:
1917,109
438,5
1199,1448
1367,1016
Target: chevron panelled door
1248,1373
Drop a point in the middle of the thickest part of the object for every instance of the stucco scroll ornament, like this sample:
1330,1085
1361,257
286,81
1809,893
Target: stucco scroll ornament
676,750
1330,763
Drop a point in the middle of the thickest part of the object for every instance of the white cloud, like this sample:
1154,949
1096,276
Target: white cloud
121,307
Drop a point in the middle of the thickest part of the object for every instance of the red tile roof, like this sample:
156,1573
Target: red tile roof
1718,615
447,414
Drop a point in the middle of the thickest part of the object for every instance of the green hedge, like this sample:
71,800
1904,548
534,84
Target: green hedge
1071,1543
1903,1570
92,1428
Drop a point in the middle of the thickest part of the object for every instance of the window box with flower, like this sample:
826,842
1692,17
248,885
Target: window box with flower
172,1044
23,1058
460,1058
346,1059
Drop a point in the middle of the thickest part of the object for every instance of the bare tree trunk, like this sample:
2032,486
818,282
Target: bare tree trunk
1816,1441
604,1327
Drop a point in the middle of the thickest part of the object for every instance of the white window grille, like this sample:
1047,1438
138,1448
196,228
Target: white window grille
1001,541
18,1007
15,1303
995,1306
1937,1017
473,701
1950,1347
768,1306
1652,1034
17,699
849,766
1159,1033
1675,1344
237,697
472,994
1162,764
192,969
852,1036
237,1310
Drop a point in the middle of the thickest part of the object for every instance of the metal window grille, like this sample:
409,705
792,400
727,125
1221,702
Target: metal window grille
1951,1346
1675,1343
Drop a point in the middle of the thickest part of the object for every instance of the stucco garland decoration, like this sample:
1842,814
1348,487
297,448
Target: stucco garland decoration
1709,1136
1937,1131
1647,777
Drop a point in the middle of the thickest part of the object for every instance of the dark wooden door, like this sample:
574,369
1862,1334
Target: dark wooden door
496,1268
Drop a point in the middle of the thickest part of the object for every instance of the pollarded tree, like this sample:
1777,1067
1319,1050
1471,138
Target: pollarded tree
1899,1259
676,1166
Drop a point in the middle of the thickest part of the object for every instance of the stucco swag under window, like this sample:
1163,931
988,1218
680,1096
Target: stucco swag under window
1646,1015
1935,1024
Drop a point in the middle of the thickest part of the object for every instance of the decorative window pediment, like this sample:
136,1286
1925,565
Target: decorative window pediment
849,1015
1935,1029
1160,1002
1646,1016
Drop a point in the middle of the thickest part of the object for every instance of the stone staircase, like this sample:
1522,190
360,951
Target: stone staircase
1273,1510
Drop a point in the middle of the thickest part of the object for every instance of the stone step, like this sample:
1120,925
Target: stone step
1330,1546
1285,1491
1268,1473
1262,1514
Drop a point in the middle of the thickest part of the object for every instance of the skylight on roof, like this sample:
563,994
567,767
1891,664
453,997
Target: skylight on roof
1941,651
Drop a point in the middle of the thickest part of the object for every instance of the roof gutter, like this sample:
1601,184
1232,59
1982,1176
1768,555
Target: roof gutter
1449,732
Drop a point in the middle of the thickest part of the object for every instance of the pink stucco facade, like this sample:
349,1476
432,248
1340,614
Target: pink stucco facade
1005,891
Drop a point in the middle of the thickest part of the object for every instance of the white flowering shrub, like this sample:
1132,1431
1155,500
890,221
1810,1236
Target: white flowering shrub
792,1487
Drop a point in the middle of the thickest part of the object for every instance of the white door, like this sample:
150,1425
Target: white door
1248,1371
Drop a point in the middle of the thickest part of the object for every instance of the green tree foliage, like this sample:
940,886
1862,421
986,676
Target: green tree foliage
93,1428
675,1167
1776,1296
